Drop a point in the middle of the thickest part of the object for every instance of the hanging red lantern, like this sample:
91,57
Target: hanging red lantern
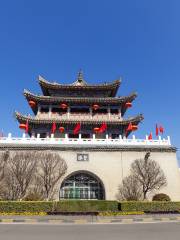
61,129
63,105
95,106
32,103
128,104
96,129
22,126
134,127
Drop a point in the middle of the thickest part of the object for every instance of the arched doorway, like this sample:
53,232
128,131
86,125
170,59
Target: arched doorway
82,185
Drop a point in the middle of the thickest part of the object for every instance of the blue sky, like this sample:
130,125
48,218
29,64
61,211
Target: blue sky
138,40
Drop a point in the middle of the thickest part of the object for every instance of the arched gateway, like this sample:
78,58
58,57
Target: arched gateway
82,185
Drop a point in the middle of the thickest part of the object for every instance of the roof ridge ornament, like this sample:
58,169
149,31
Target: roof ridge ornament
41,79
80,79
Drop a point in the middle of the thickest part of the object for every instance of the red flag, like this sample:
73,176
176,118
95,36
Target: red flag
53,129
77,128
161,129
157,130
129,128
27,127
150,136
103,128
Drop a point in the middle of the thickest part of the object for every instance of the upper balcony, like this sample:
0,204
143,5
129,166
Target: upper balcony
78,116
20,141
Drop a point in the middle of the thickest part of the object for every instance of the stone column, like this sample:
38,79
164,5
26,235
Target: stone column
39,109
50,111
68,112
109,112
91,112
119,112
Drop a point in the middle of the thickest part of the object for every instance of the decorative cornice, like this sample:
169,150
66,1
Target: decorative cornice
91,100
32,120
89,148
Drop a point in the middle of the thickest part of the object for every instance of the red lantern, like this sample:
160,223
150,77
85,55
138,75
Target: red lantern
95,106
96,129
61,129
32,103
128,104
63,105
22,126
134,127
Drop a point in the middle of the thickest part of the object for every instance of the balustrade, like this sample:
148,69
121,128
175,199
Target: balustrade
83,141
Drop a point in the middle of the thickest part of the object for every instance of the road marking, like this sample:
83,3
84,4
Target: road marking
80,221
88,223
55,221
128,220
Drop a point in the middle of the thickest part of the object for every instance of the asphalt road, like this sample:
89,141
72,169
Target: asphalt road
142,231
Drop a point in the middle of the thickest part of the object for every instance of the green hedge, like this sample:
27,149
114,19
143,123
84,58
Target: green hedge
17,206
154,206
87,206
60,206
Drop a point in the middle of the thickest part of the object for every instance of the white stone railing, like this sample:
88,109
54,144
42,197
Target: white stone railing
81,141
78,116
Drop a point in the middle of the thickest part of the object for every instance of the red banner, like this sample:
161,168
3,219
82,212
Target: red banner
103,128
77,128
150,136
53,129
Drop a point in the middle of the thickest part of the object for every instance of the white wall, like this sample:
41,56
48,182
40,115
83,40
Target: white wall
112,167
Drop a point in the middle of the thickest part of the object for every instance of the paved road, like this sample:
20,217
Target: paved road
144,231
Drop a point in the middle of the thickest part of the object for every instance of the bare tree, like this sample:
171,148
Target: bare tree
19,172
3,161
35,191
149,174
130,189
50,169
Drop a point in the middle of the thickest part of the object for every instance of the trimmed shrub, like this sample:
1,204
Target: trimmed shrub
86,206
155,206
60,206
26,206
72,206
161,197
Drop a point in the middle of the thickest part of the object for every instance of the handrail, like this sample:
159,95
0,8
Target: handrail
85,141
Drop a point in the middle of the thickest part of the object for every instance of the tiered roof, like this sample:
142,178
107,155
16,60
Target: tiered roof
32,120
79,93
78,100
50,89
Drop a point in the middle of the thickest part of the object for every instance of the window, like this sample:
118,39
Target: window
82,185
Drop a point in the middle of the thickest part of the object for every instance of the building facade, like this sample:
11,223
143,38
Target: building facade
86,125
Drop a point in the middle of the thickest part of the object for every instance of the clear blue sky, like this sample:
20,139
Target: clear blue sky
136,39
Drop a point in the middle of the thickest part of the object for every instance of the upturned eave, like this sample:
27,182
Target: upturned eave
46,85
78,100
32,120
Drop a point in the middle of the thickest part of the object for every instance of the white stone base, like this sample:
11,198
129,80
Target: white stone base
110,163
112,167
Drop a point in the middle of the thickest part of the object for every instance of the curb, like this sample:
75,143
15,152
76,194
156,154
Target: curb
86,221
